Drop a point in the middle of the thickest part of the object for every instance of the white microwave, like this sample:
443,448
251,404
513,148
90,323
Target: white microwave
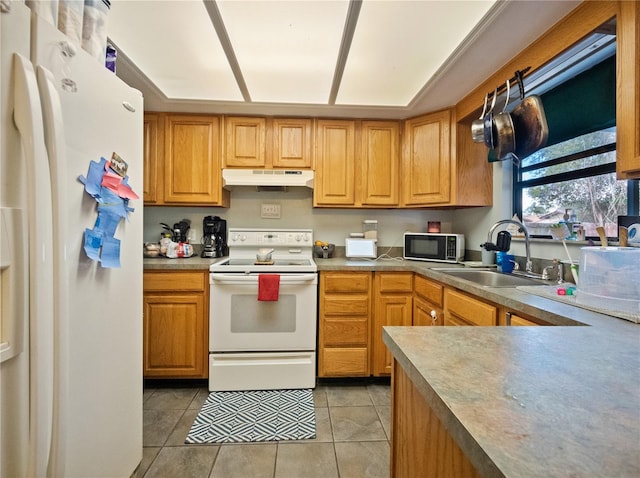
430,246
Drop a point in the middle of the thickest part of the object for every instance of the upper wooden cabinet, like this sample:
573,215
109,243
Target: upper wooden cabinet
279,143
427,160
380,163
357,163
442,166
292,143
192,172
153,150
245,142
182,161
628,96
334,182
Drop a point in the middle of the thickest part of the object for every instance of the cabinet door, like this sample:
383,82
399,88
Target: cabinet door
380,163
244,145
334,182
393,306
292,143
628,95
152,144
174,335
425,314
462,309
421,445
389,310
192,173
426,171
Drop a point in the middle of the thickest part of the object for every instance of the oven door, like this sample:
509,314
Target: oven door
240,322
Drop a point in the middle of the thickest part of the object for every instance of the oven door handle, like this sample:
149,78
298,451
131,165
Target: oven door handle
289,279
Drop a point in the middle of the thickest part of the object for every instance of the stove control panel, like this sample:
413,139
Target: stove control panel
271,237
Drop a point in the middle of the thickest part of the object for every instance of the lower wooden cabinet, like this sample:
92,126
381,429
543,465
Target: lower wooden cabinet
355,306
176,325
344,315
465,309
393,306
510,317
420,443
427,302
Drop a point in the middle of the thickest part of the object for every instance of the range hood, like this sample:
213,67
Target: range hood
267,177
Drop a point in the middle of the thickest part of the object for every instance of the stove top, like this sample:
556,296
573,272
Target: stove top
292,251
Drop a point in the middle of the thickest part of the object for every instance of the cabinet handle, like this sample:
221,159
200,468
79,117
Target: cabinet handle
434,316
508,318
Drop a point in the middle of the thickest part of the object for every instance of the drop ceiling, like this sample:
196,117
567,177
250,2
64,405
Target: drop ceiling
329,58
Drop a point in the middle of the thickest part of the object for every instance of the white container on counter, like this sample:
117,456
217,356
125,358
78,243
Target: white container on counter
608,278
94,28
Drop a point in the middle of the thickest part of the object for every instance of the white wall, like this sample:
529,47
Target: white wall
297,211
333,225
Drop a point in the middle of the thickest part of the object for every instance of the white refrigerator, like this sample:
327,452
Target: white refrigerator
71,329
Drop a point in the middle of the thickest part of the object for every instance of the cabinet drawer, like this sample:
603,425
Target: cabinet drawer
345,332
394,282
431,291
470,309
345,362
345,305
174,281
346,281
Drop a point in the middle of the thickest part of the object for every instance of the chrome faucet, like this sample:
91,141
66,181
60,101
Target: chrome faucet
529,265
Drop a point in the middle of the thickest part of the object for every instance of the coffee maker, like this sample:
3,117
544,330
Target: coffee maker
214,237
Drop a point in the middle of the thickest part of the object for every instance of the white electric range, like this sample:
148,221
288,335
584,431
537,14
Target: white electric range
257,344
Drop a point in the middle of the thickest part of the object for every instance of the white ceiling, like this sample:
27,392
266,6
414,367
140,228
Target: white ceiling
330,58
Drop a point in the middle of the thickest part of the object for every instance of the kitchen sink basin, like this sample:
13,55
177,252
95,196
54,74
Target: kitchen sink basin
491,278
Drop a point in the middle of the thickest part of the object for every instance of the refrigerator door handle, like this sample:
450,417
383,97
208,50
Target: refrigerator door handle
27,116
54,136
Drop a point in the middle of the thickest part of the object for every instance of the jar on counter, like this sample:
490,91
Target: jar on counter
370,229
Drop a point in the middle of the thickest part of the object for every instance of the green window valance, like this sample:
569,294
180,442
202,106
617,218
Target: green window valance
581,105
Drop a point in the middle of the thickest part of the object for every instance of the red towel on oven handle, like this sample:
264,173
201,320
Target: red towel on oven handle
268,287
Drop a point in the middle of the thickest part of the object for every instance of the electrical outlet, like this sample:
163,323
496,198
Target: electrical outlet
270,211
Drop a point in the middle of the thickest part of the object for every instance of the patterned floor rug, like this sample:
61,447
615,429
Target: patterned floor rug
262,415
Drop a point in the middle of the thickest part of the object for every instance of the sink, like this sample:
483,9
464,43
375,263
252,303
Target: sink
491,278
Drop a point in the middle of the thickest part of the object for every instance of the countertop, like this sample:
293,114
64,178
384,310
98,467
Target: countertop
531,401
189,263
545,309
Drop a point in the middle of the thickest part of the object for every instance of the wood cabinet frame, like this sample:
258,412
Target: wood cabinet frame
175,324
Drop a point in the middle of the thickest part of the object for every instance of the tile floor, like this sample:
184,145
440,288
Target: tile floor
352,437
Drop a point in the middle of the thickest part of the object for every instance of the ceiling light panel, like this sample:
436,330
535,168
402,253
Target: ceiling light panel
176,46
399,45
287,50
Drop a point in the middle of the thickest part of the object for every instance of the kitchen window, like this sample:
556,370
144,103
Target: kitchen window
574,177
